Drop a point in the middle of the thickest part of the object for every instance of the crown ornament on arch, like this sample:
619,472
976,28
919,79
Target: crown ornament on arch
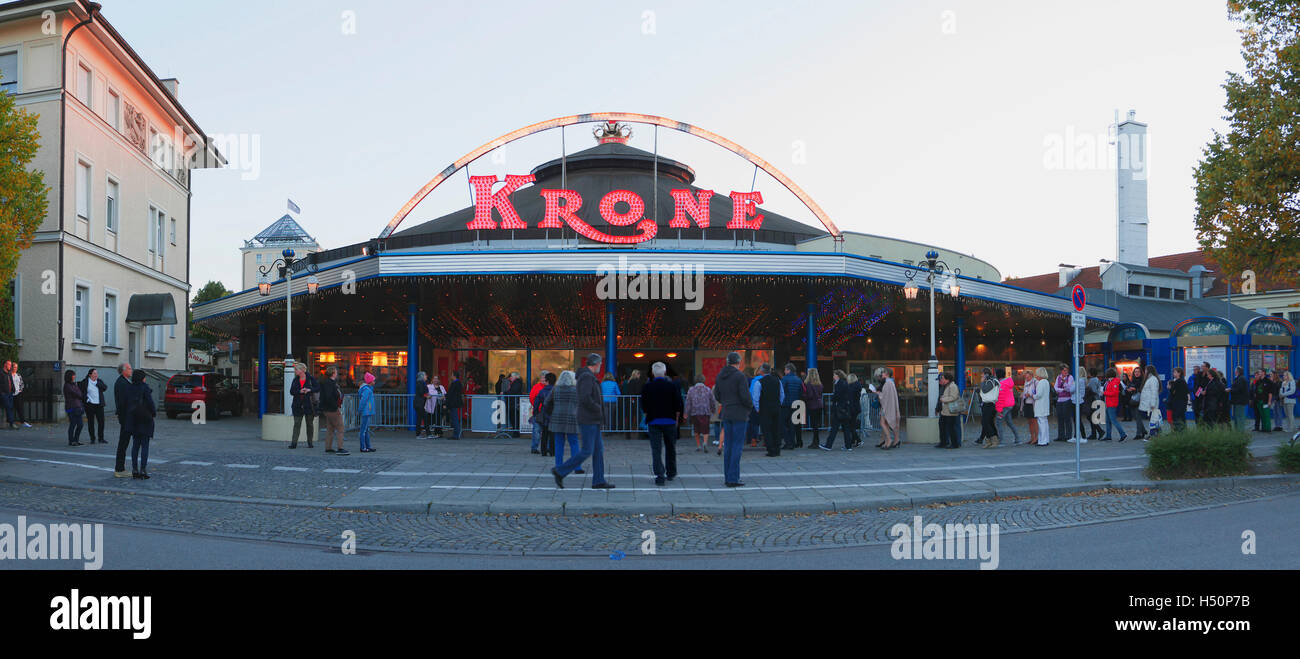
612,132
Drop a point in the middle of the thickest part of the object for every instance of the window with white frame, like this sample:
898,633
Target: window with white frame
111,205
85,84
110,319
9,72
155,231
153,338
114,110
158,231
172,230
80,315
83,190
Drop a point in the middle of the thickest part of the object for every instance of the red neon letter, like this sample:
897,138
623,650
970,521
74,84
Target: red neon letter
555,212
743,205
635,208
685,204
485,201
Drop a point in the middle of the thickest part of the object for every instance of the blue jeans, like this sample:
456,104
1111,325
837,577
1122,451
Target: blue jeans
537,434
1004,419
592,447
74,425
663,446
8,401
363,437
560,439
454,415
732,449
140,453
1112,421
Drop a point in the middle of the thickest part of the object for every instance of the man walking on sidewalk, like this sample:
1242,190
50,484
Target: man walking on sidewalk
662,401
731,390
590,413
122,392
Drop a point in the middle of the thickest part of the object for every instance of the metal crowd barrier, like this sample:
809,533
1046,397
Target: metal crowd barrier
505,415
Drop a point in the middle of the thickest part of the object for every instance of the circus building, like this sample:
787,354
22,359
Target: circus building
615,250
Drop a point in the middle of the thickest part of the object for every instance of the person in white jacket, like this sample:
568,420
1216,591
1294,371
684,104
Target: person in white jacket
1287,396
1043,406
1149,402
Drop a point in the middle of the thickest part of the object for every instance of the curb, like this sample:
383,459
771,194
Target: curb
573,508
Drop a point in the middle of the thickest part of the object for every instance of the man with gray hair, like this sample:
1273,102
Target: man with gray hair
121,390
590,413
732,391
662,401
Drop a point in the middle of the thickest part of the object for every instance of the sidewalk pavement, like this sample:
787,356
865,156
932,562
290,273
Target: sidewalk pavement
226,461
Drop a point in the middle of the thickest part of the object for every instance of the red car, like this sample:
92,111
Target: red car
218,392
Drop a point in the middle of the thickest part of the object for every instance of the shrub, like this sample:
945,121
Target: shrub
1288,457
1199,453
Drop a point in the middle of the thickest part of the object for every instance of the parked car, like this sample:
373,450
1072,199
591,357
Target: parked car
218,393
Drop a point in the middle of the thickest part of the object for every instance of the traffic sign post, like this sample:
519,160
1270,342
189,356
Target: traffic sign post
1078,322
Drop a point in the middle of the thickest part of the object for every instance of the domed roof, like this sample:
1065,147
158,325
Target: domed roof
612,166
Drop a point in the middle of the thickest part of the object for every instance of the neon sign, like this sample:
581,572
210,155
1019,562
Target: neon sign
562,208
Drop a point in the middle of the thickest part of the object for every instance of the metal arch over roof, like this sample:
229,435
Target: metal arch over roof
570,120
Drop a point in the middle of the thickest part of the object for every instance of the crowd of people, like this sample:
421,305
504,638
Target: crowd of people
740,408
133,398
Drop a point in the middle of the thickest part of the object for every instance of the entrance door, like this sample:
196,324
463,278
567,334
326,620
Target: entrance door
132,346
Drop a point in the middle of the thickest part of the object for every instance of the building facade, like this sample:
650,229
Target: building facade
524,280
118,150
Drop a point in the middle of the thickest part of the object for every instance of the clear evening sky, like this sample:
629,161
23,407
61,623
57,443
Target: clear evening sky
937,121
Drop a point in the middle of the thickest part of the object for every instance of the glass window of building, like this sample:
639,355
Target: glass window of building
9,72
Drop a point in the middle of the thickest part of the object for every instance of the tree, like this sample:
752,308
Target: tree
210,291
23,204
1248,181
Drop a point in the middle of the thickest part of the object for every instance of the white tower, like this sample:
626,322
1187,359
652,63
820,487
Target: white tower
1131,201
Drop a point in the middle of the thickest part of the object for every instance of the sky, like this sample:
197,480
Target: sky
977,126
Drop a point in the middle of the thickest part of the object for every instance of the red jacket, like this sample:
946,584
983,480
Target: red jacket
532,394
1113,387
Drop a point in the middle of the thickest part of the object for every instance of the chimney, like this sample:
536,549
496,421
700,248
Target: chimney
173,86
1131,198
1198,273
1067,273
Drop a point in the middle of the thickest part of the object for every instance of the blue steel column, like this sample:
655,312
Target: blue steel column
611,339
412,365
959,360
263,372
812,336
528,369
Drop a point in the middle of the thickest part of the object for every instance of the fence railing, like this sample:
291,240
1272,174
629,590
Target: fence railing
507,415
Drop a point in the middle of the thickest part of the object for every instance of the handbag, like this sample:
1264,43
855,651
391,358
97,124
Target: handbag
957,406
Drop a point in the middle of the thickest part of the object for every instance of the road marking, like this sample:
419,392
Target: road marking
195,463
289,469
784,474
744,489
80,454
239,466
58,462
342,471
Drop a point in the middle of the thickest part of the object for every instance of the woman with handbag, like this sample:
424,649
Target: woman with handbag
1149,403
1043,407
950,409
1287,395
1027,404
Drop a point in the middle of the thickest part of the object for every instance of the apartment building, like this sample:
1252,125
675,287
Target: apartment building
107,276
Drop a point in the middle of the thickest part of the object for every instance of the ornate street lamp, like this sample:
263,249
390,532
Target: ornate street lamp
934,268
284,266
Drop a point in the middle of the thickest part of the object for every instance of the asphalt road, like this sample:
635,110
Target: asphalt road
1201,539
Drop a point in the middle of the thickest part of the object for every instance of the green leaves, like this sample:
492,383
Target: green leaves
23,202
1248,181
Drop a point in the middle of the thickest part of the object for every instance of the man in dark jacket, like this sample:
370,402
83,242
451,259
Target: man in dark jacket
661,400
1178,400
121,394
455,401
331,399
1239,398
302,387
590,413
7,394
792,389
770,400
514,390
732,391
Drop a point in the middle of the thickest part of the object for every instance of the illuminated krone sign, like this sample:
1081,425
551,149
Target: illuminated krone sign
563,206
